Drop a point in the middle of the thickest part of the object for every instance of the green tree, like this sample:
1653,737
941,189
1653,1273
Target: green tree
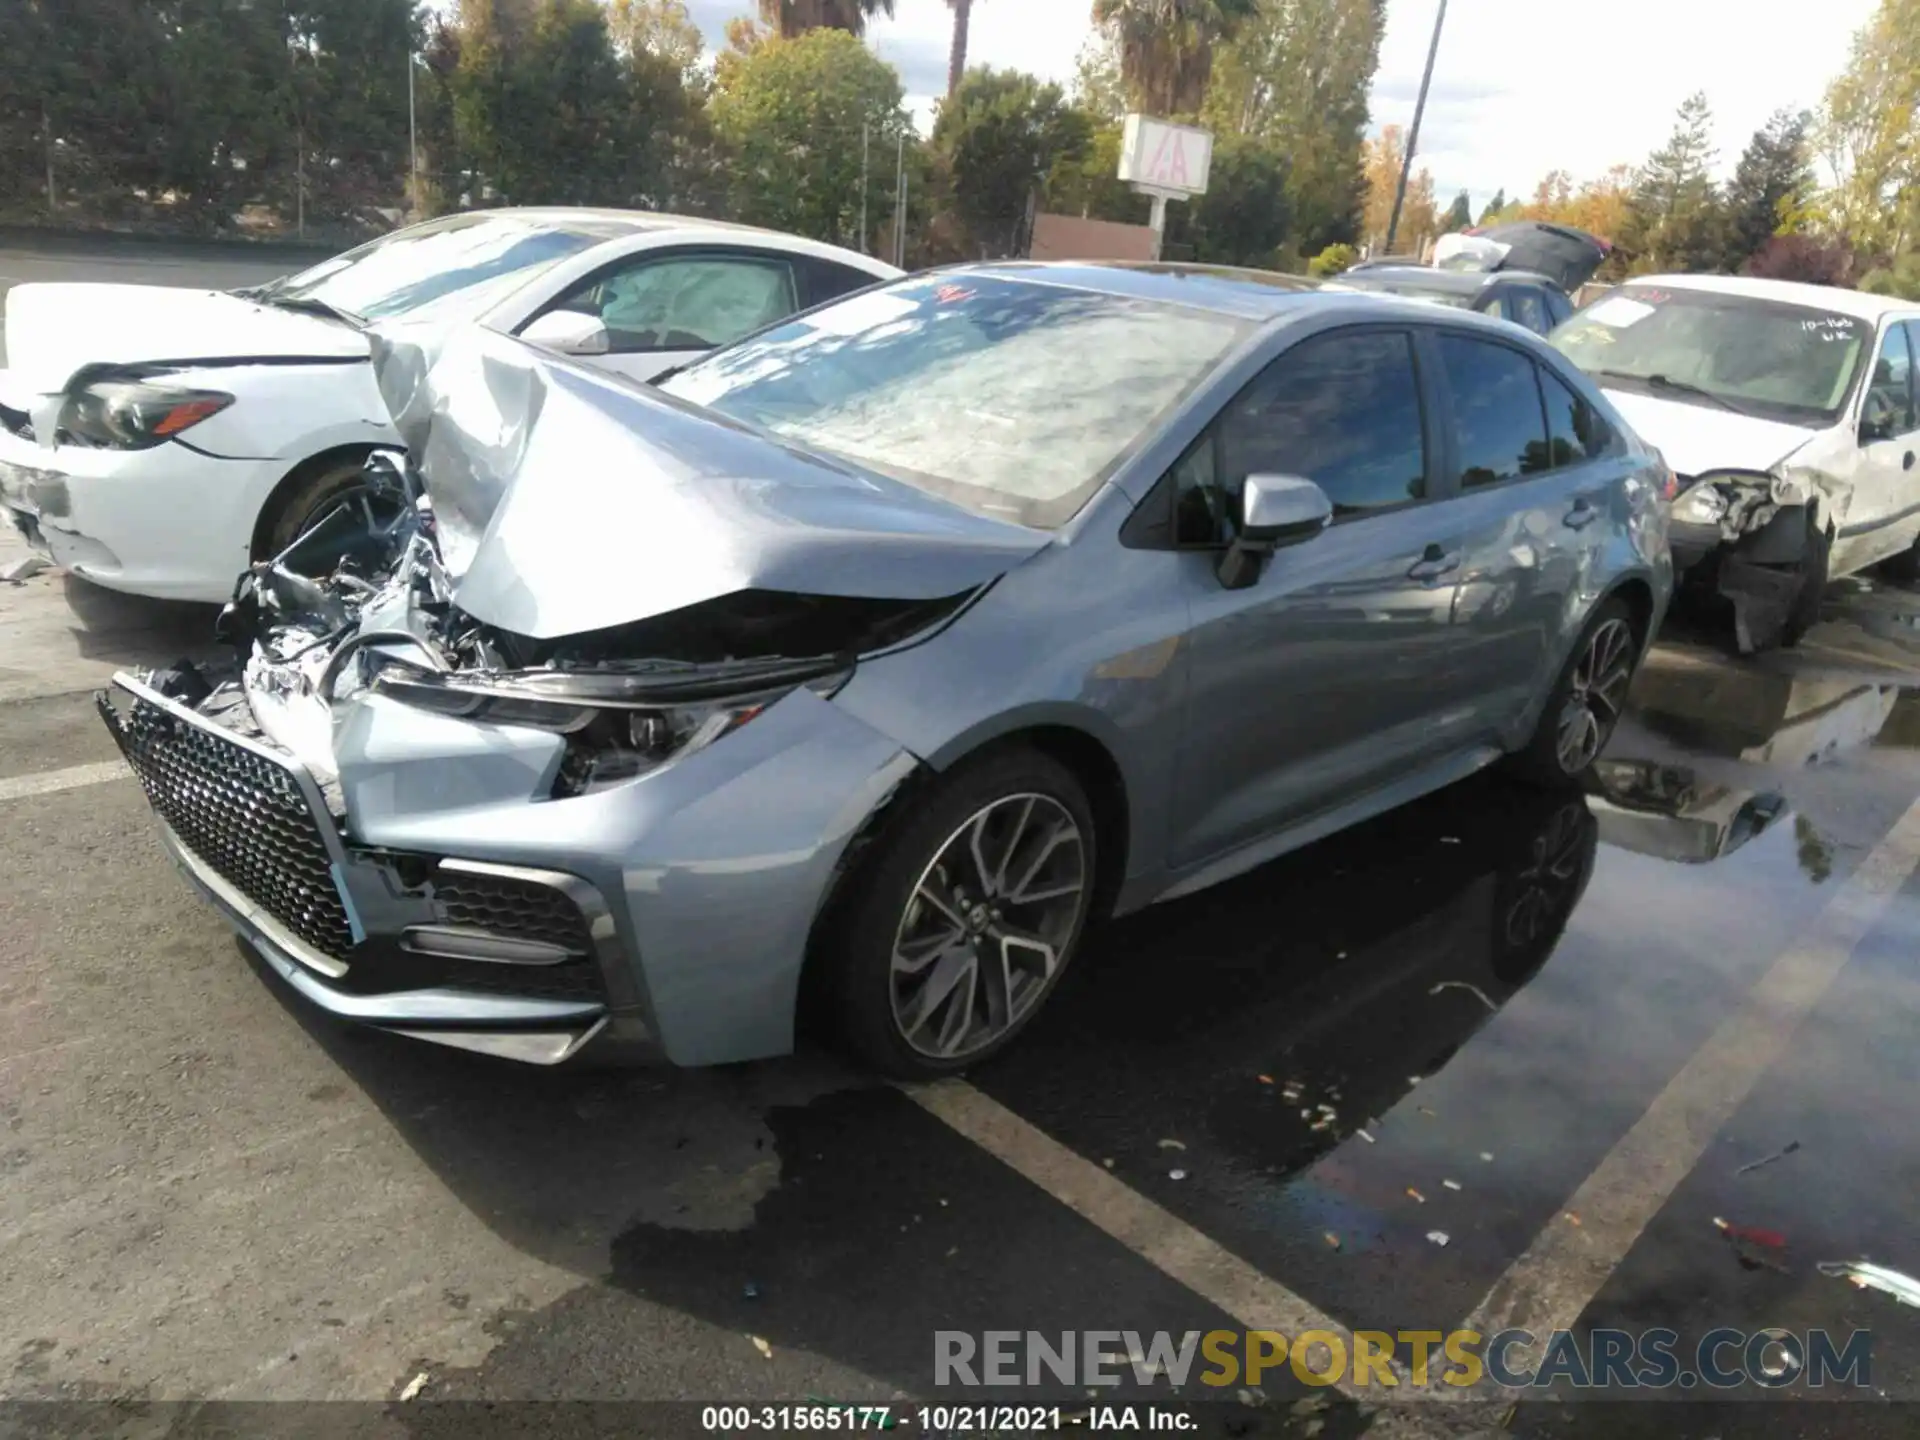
1332,260
1090,184
1675,219
1097,87
1167,46
996,139
661,28
791,19
1459,214
1774,171
1243,218
1869,131
1493,207
792,113
1296,74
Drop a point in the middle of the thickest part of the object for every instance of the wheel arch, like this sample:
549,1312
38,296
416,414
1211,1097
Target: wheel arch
296,477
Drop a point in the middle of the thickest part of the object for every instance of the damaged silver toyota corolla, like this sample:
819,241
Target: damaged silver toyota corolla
880,651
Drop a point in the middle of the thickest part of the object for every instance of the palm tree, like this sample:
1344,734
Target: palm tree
957,55
1166,47
795,17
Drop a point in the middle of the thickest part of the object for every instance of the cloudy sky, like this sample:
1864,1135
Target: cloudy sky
1519,88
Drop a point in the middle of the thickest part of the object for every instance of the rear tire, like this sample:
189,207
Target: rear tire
939,949
1586,702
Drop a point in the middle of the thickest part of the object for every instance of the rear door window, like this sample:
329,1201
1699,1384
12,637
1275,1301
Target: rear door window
1499,427
1526,307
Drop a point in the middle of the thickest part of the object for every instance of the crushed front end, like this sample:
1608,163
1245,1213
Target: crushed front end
1754,539
527,848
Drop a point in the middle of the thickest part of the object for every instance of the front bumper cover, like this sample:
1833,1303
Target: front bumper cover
488,995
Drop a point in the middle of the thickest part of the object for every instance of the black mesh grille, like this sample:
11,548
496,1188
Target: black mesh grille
244,816
402,970
502,905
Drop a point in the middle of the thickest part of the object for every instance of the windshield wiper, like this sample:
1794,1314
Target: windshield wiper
1678,387
307,305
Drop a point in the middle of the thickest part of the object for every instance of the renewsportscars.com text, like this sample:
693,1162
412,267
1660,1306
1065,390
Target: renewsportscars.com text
1513,1359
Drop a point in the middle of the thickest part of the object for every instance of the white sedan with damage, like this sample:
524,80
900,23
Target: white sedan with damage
159,440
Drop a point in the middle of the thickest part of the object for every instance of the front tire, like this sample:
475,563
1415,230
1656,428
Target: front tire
307,502
1586,701
941,948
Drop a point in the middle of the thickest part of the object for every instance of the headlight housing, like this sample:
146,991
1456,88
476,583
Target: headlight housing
133,414
619,724
1702,504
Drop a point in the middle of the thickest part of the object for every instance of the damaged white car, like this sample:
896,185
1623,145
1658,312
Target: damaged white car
1788,412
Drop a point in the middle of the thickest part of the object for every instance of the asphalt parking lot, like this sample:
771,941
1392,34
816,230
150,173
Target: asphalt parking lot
1556,1032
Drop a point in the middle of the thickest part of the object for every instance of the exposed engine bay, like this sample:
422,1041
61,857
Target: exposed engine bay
363,604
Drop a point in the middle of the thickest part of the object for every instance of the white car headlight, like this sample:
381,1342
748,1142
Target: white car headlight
133,414
1702,504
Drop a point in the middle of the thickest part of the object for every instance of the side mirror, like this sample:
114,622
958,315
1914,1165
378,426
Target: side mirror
1275,510
569,332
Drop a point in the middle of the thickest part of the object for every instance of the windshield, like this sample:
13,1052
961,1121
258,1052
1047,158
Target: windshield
466,260
1763,357
1016,400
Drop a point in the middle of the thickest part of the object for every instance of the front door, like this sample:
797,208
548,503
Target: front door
665,309
1332,674
1884,515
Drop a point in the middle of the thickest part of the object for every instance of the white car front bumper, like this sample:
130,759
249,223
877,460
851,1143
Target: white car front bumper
167,522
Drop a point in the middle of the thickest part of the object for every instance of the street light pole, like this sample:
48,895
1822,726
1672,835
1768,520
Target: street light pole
1413,135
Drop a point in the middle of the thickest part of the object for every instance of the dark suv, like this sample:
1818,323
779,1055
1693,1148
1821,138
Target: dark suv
1526,299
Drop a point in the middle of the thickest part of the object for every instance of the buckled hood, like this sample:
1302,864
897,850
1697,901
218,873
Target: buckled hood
566,500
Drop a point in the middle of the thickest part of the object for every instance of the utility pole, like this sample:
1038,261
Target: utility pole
866,129
46,132
413,143
900,203
1413,135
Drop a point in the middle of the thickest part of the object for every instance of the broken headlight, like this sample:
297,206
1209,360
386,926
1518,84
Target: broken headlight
1701,505
618,723
133,414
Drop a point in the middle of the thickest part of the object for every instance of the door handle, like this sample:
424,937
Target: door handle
1434,563
1581,515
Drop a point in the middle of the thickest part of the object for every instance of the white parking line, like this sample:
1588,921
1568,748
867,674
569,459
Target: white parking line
1554,1281
47,782
1156,1235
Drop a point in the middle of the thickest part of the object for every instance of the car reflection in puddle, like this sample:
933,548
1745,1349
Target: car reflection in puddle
1669,812
1766,717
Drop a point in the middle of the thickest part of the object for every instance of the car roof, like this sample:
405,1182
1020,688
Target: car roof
613,224
1227,289
1447,282
1855,303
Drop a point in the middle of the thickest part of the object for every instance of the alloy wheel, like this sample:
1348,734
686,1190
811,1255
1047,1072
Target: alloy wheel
1597,693
987,925
1553,864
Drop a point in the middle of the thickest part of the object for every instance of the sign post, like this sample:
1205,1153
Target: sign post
1164,161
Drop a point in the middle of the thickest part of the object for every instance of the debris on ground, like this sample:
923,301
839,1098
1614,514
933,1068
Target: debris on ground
1572,1219
762,1346
1438,1237
1176,1174
1449,839
1416,1195
1264,1079
1869,1276
1172,1145
1486,1155
1451,1184
414,1386
1108,1162
1754,1247
1780,1154
1332,1239
1364,1136
750,1290
25,566
1413,1079
1471,989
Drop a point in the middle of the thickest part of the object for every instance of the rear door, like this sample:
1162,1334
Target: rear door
1539,472
1333,674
